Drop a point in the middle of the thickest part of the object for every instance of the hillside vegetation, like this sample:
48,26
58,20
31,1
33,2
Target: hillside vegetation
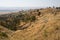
34,24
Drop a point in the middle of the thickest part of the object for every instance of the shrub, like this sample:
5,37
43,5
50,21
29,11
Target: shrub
39,13
57,7
33,18
2,34
12,21
10,25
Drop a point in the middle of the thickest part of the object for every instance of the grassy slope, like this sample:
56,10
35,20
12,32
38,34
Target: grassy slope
45,27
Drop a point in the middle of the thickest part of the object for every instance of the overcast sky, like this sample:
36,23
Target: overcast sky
29,3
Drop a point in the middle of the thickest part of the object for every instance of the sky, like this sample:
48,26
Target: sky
29,3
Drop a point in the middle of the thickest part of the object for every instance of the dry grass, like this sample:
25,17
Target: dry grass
35,25
47,27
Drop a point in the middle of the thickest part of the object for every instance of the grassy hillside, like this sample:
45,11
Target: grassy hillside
37,24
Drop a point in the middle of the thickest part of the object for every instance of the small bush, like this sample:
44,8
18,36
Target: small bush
39,13
2,34
57,7
33,18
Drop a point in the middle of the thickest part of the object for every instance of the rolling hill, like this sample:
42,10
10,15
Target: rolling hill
37,24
